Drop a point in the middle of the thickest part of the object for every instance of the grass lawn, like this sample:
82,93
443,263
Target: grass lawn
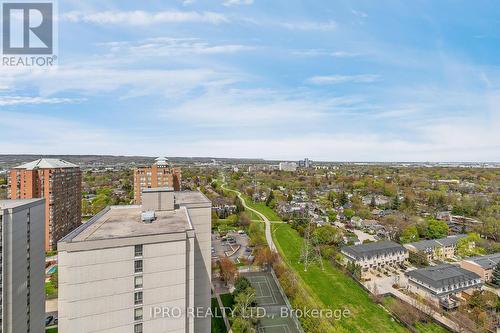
334,289
430,328
50,290
227,300
51,330
261,207
218,325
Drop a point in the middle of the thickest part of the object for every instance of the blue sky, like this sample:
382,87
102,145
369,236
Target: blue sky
328,80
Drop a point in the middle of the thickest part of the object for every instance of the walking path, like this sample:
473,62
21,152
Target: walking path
269,237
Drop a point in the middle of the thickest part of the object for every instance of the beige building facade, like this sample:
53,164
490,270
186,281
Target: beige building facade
131,267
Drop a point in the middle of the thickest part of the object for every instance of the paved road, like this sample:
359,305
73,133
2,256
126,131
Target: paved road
269,237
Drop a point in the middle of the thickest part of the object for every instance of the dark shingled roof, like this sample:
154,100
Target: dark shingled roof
428,245
373,249
442,275
487,262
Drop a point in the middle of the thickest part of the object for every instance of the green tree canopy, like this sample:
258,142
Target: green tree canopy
409,234
437,228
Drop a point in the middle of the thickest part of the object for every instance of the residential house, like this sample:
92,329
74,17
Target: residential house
437,249
443,284
482,265
378,255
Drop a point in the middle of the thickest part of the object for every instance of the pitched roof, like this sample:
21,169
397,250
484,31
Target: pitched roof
47,163
373,249
432,243
487,262
442,275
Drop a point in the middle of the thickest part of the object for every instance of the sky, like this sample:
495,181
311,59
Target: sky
331,80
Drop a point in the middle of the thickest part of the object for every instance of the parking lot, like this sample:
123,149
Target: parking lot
233,245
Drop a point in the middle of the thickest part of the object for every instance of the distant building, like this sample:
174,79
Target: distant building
442,284
288,166
22,270
60,183
129,262
482,265
378,255
160,174
436,249
305,163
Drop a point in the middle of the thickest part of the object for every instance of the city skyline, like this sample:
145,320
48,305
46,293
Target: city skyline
353,81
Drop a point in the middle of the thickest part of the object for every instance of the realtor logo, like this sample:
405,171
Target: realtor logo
28,28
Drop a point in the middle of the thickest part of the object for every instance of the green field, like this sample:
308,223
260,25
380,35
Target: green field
50,290
261,207
51,330
334,289
218,325
430,328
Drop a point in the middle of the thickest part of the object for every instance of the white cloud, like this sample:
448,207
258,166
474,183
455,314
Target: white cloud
359,13
325,53
165,46
237,2
310,25
25,100
143,18
337,79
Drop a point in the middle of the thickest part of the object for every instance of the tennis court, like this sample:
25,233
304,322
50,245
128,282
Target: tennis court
269,297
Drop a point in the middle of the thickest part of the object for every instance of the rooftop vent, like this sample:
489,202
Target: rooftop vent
148,216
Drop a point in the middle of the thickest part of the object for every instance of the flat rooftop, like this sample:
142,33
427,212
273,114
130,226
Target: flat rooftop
9,204
125,221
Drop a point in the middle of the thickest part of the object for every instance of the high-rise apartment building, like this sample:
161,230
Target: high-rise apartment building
22,269
160,174
60,183
139,268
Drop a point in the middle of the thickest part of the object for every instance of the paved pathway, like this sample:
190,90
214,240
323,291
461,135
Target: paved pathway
269,237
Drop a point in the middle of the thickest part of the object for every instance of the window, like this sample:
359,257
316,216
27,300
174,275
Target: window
138,297
138,266
138,282
138,250
138,328
138,314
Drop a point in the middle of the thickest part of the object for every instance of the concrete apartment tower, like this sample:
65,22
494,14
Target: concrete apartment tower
128,262
60,183
22,270
160,174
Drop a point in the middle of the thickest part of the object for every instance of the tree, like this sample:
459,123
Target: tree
348,213
437,228
265,257
241,285
467,246
373,202
343,199
496,275
418,258
410,234
243,220
270,198
227,270
395,203
327,235
241,325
